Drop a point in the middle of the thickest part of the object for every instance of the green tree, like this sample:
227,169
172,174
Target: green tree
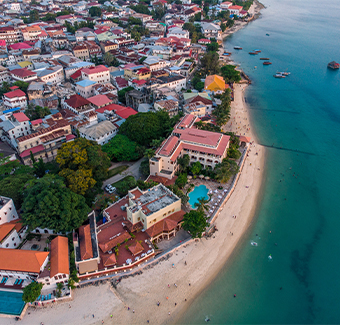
125,185
5,88
196,168
183,162
37,112
142,9
149,153
121,94
32,292
181,180
108,58
13,186
202,205
210,63
144,167
49,17
34,16
223,27
230,23
50,204
78,181
197,17
229,74
225,170
195,223
121,148
39,168
95,12
175,189
145,127
22,85
212,47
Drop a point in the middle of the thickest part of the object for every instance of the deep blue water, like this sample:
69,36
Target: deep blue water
300,117
197,193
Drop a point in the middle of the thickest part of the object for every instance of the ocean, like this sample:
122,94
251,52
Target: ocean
297,220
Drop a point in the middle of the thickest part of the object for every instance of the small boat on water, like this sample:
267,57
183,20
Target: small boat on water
257,51
253,243
253,53
333,65
267,63
264,59
227,53
279,75
267,34
237,48
284,73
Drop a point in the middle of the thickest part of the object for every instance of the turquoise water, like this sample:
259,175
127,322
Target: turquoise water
197,193
11,303
300,112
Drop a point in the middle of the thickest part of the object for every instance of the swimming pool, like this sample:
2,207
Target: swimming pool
198,192
11,302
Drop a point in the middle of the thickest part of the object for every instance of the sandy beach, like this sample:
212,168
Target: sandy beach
204,259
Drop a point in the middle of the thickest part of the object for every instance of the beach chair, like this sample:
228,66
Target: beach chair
49,296
16,281
39,297
5,280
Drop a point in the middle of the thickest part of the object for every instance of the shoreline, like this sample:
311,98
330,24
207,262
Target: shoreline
205,257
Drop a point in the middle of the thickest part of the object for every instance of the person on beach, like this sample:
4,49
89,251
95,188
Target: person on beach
175,285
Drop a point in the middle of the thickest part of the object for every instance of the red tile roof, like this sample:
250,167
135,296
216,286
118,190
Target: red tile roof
136,248
34,150
19,46
99,100
169,146
166,225
109,259
85,243
36,122
23,73
22,260
21,117
15,93
97,69
76,101
59,256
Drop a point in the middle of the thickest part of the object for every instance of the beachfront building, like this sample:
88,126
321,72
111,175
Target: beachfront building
215,84
209,148
19,267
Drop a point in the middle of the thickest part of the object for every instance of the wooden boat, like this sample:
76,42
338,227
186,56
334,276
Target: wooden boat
279,75
227,53
257,51
267,63
252,53
237,48
284,73
264,59
333,65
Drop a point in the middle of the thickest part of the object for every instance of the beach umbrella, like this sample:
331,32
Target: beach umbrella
201,176
207,178
189,177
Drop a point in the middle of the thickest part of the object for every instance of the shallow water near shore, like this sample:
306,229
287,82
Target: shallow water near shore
297,220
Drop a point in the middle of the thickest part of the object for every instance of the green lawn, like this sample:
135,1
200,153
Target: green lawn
125,179
114,171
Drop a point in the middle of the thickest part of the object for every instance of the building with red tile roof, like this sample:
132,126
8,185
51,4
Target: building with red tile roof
15,98
23,75
209,148
77,104
59,260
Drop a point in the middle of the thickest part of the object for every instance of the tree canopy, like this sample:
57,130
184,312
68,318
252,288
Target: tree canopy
37,112
229,74
95,12
13,186
222,111
145,127
181,180
83,164
225,170
50,204
122,92
210,63
121,148
141,8
195,222
32,292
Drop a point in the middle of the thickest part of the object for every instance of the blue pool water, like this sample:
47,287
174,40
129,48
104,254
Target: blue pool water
197,193
11,303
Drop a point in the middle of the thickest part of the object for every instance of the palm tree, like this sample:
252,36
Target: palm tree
201,205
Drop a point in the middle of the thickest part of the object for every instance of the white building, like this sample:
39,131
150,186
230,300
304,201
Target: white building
15,98
178,32
209,148
99,74
8,211
54,75
155,63
176,82
14,126
102,132
85,88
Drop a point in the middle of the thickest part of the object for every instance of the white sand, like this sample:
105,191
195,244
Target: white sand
204,258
